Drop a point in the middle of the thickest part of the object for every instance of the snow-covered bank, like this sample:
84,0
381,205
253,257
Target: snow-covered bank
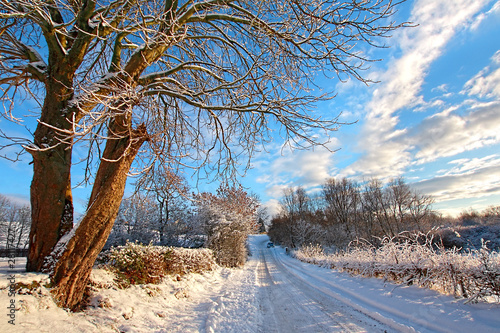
196,303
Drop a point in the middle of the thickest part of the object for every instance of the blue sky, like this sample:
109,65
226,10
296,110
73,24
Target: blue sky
433,118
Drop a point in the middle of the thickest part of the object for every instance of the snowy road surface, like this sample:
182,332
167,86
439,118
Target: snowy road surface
292,296
271,293
292,300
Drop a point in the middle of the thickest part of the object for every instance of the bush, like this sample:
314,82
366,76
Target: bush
415,259
142,264
183,261
228,242
228,217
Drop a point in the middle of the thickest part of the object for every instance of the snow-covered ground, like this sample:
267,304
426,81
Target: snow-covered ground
272,293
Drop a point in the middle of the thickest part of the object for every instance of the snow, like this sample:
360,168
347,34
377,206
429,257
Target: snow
40,63
272,293
19,271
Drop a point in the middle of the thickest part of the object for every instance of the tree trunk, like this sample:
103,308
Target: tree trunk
161,226
51,198
73,267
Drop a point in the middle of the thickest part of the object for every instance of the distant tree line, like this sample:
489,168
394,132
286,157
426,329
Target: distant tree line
140,219
345,210
15,222
471,217
158,212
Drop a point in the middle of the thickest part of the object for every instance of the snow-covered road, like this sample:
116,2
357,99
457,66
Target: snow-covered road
291,296
271,293
293,301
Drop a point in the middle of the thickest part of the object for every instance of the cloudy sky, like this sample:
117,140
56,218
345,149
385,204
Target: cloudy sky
433,118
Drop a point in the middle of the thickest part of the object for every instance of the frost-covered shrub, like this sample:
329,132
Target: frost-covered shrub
228,217
228,241
313,254
183,261
142,264
415,259
138,264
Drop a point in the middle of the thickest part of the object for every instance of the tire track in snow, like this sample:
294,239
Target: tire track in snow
270,321
295,307
293,311
393,317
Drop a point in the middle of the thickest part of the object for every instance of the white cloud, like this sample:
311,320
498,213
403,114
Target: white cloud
307,168
424,106
470,178
386,152
486,83
17,199
494,11
450,133
276,190
273,207
441,88
468,166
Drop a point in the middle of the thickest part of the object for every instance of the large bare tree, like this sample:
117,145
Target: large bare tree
194,82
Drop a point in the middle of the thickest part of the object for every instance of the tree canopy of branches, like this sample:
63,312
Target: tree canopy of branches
196,83
170,190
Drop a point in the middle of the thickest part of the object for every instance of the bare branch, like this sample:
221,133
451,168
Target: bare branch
224,72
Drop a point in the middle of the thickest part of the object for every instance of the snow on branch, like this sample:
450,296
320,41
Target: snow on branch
19,60
226,71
